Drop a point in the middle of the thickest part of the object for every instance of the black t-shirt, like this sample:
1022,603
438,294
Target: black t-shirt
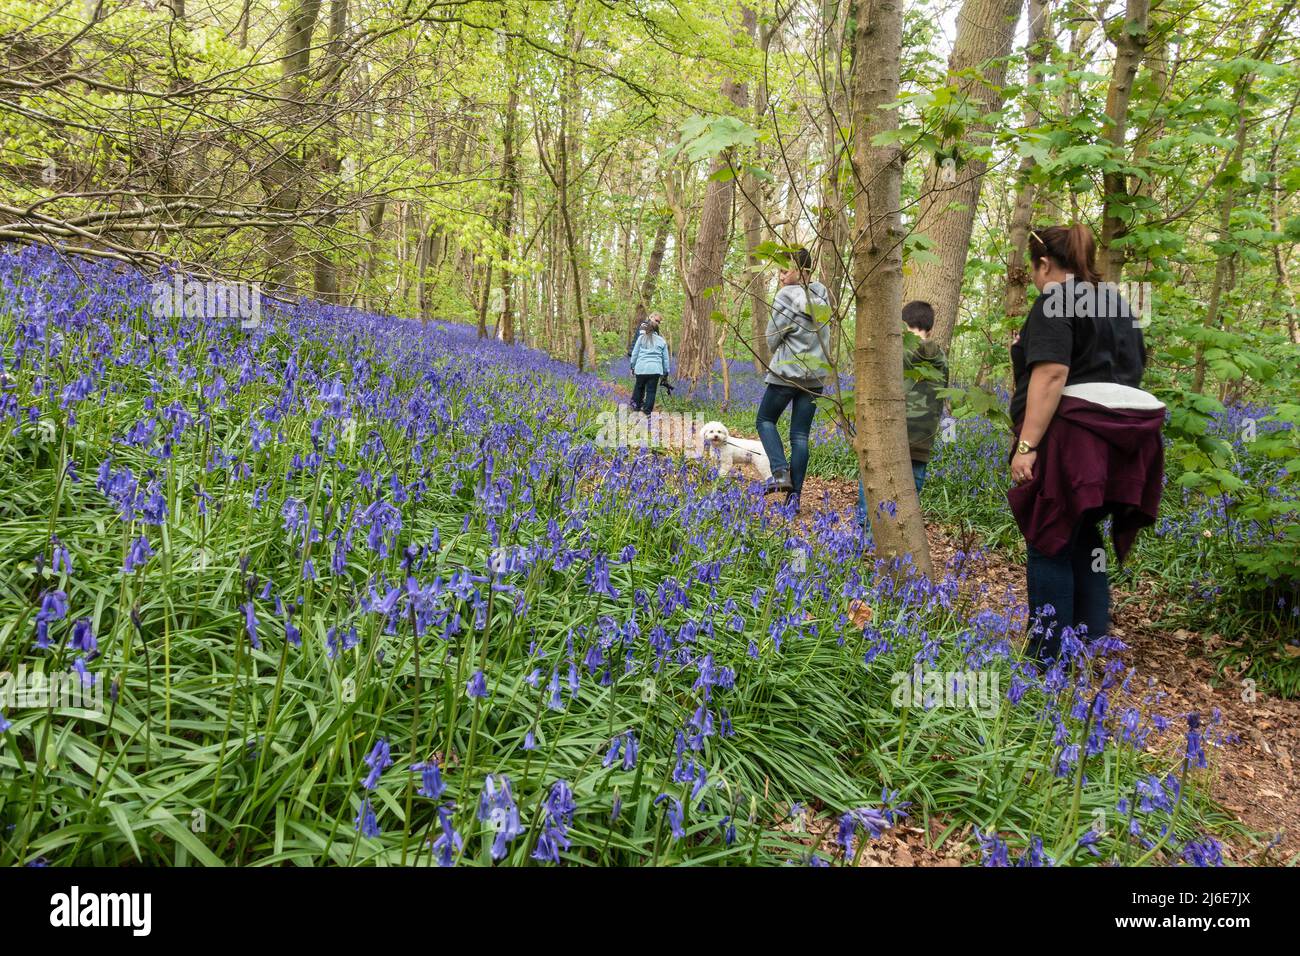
1088,327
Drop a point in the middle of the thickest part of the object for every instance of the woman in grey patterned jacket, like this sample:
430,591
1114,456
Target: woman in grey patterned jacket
799,339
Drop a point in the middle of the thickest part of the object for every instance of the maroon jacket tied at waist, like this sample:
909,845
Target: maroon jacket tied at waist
1092,457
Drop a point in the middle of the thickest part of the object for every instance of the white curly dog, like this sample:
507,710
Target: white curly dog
734,451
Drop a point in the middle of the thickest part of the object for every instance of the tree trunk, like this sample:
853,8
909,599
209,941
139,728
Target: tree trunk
756,279
756,196
1015,298
651,279
1224,272
832,217
884,462
695,357
325,268
283,176
510,177
1282,281
374,218
978,69
1129,47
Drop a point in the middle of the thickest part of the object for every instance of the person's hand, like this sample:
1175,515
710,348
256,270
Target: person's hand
1022,466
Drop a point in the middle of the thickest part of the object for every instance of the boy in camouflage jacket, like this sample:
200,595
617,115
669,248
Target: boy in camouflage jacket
926,370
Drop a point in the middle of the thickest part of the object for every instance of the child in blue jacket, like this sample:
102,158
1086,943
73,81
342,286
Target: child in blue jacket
649,364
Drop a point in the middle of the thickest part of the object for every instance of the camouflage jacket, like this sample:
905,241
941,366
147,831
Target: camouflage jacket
927,366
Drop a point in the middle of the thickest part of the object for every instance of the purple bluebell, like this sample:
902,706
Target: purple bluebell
431,784
378,760
365,822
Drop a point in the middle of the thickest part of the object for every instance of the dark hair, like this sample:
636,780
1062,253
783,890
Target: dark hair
918,315
802,259
1070,247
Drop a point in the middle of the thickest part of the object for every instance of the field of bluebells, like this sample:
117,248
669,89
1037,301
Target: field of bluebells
365,591
1225,553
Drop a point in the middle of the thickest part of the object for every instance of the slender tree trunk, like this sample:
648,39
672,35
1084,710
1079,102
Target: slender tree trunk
756,279
884,462
1015,298
651,279
756,196
1224,267
978,68
1281,280
832,218
1130,44
510,177
283,177
695,356
325,268
374,218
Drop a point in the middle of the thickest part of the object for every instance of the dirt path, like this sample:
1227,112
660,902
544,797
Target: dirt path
1254,771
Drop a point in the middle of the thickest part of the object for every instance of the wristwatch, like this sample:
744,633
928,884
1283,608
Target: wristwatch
1024,448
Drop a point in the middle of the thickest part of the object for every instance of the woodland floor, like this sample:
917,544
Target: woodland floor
1254,776
1253,771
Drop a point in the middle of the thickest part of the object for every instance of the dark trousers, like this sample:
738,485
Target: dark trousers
643,393
770,409
1074,585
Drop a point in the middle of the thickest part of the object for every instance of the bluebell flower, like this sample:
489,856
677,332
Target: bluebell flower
431,784
332,394
1034,855
675,814
1195,750
378,760
558,811
83,638
448,845
615,748
137,555
54,607
87,678
555,702
365,822
993,850
250,624
62,560
1203,852
497,808
1089,842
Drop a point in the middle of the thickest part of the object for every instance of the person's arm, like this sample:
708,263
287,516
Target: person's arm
635,354
776,322
1046,379
824,339
667,359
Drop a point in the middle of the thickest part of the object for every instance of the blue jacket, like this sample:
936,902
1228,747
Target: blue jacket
652,358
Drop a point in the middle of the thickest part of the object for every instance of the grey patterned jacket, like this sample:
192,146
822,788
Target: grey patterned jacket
800,344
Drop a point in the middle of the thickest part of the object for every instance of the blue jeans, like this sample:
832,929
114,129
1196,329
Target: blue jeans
770,409
643,393
1074,584
918,475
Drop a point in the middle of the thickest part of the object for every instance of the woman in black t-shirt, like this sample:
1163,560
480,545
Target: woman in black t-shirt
1078,365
